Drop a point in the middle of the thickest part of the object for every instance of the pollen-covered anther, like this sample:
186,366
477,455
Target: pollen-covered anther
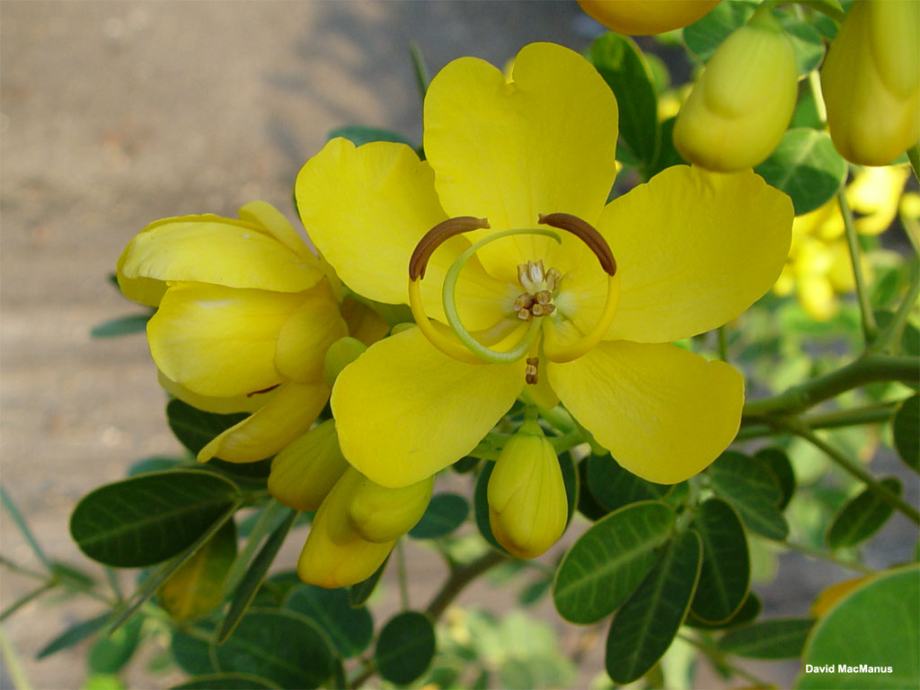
540,285
531,370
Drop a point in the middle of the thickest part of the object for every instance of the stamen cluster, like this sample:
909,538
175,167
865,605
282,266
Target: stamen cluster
541,286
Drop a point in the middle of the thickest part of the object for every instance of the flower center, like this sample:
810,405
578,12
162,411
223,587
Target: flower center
541,287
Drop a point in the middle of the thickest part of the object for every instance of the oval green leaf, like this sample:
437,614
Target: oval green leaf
781,638
111,653
149,518
405,648
280,646
226,681
123,325
350,629
74,635
191,649
807,167
906,430
195,428
613,487
725,576
777,462
644,627
610,560
876,626
445,513
752,490
749,610
861,516
706,34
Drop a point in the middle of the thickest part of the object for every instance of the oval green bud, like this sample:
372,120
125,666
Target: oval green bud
381,514
340,354
306,470
871,81
743,101
526,494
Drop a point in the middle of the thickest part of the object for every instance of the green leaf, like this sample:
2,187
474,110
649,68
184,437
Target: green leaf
445,513
191,649
622,65
906,430
571,483
195,428
359,135
405,647
587,504
644,627
481,506
109,654
16,515
807,42
123,325
350,629
706,34
73,635
280,646
781,638
861,516
613,487
226,681
361,592
255,575
155,463
197,588
777,462
668,154
147,519
752,490
749,610
726,573
534,591
875,625
610,560
807,167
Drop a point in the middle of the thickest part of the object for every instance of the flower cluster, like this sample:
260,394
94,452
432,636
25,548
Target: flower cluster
525,287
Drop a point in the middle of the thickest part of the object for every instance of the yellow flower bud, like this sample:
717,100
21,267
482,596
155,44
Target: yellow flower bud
335,554
340,354
645,17
741,104
382,514
306,470
527,500
871,81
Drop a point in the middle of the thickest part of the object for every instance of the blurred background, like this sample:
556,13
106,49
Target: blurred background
113,114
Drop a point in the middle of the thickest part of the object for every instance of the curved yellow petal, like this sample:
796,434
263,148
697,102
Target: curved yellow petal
305,471
404,410
287,414
276,224
663,412
215,250
217,341
544,142
239,403
307,334
366,209
694,250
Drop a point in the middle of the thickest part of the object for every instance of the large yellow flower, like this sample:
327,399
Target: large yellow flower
245,314
586,317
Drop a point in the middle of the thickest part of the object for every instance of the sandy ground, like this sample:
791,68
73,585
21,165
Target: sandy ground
113,114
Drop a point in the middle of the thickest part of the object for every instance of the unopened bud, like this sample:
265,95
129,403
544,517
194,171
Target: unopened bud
527,499
741,104
340,354
871,81
306,470
646,17
381,514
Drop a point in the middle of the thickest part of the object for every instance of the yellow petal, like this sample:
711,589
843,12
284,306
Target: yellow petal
306,470
875,193
543,143
694,250
363,322
215,250
217,341
307,334
239,403
286,414
405,411
664,413
276,224
366,209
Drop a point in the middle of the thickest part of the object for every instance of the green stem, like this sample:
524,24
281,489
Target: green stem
16,568
458,579
869,368
890,337
568,441
870,328
855,469
717,656
22,601
870,414
723,343
273,513
420,68
12,666
403,576
559,418
913,155
20,522
815,553
814,84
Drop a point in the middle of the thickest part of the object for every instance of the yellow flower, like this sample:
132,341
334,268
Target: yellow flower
644,17
740,106
356,527
527,500
871,81
245,313
585,318
305,471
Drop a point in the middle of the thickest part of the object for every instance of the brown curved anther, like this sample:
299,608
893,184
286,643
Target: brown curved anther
437,236
587,234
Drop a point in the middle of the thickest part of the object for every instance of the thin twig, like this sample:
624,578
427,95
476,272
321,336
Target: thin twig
870,328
